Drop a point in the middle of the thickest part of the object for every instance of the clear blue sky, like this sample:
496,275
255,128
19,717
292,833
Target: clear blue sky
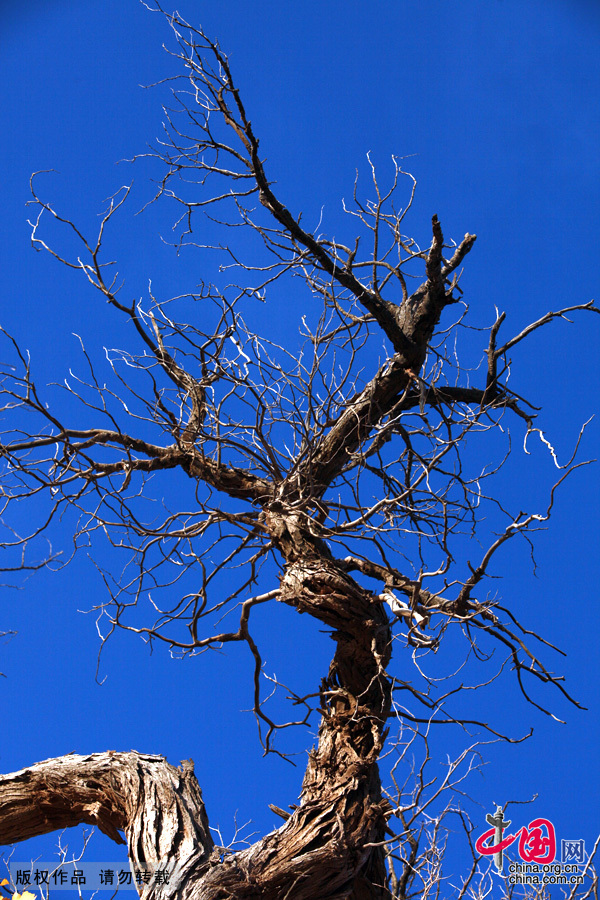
497,105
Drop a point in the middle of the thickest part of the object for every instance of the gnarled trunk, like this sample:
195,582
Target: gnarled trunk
331,847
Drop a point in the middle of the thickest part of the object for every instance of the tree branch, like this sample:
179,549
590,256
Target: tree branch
159,808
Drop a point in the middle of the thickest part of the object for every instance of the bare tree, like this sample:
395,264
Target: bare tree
336,477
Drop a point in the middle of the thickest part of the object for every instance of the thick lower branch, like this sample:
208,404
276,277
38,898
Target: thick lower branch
159,808
329,848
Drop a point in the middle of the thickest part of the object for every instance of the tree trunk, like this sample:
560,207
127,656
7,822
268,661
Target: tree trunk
331,847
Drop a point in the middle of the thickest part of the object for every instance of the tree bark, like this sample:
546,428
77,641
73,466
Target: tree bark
331,847
158,807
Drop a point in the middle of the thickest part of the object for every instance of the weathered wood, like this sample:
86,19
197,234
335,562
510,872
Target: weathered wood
157,807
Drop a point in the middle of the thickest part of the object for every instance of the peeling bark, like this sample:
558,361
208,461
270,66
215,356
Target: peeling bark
324,849
158,808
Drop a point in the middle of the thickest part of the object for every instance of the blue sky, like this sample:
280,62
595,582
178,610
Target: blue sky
495,106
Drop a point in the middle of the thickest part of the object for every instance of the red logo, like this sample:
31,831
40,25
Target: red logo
537,842
536,847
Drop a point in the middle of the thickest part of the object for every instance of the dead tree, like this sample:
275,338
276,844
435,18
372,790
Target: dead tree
331,462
